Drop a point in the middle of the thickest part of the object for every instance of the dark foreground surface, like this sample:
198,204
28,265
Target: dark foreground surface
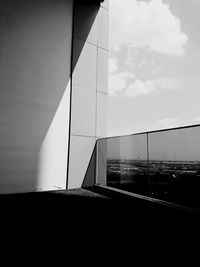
86,222
93,208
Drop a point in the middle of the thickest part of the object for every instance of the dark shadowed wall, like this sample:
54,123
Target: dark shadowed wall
35,56
89,88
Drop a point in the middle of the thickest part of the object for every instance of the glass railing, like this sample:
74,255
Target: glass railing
161,164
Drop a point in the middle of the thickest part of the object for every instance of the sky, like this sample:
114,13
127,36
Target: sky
154,63
179,145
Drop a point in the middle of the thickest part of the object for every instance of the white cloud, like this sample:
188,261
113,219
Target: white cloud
118,81
146,24
140,88
168,83
196,120
168,123
113,66
143,62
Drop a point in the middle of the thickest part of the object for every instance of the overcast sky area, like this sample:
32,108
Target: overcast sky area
154,63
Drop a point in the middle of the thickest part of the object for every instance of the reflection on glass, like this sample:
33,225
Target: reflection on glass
174,165
126,163
164,165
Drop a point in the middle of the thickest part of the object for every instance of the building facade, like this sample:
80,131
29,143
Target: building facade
53,86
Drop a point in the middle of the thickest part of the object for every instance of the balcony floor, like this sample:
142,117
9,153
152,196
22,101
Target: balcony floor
82,214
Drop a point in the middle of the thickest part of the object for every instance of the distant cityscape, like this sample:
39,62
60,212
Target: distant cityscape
173,181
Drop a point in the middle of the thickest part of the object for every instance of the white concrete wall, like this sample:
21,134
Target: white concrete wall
35,55
89,86
35,81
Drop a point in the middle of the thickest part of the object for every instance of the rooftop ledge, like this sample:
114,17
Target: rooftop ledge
121,194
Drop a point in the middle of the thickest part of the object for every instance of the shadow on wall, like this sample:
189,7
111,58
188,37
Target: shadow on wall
35,60
89,179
